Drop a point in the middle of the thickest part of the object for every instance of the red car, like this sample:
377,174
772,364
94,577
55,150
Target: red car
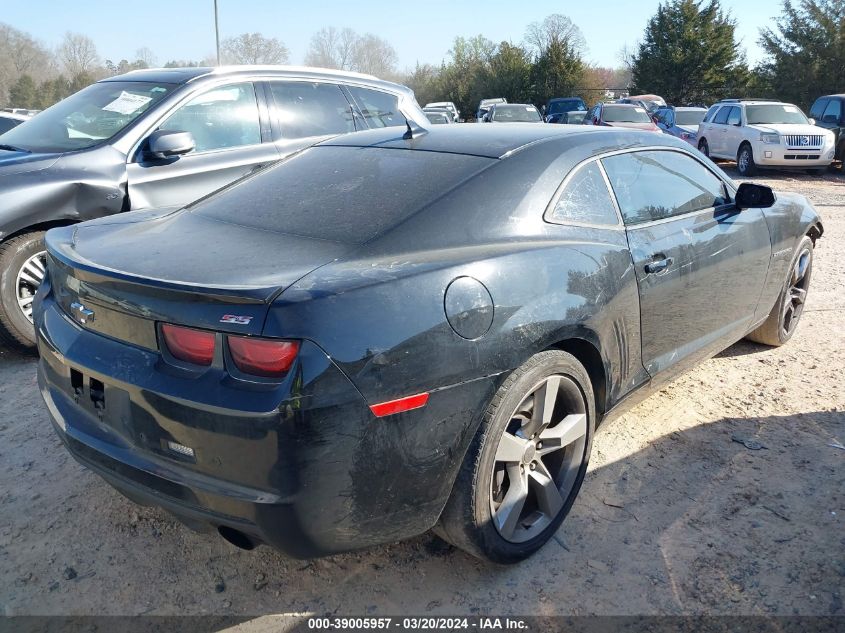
620,115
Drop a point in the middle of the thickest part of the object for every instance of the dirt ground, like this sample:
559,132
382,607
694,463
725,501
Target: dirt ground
675,517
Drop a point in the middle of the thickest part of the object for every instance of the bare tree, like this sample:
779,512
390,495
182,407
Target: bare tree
556,30
375,56
253,48
332,48
20,55
146,56
78,54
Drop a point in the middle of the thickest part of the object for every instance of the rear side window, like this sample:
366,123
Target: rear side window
722,116
585,199
380,109
311,109
654,185
818,108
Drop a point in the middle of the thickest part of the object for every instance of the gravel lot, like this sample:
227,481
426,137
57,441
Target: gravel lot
675,516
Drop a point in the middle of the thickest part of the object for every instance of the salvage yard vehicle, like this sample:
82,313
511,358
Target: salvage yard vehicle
484,107
448,105
624,115
760,133
163,137
681,122
353,356
829,113
513,113
556,109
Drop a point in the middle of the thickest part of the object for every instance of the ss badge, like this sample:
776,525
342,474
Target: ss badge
234,319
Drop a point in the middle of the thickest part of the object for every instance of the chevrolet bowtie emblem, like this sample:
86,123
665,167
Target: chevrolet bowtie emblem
81,313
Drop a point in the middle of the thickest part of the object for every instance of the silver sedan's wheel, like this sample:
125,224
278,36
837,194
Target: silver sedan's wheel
799,283
523,469
29,277
536,462
785,315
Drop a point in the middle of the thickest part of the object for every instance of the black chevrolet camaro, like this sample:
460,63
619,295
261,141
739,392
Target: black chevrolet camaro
390,333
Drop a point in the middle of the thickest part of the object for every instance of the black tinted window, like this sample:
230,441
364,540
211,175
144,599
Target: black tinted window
311,109
343,194
655,185
380,109
7,124
585,198
833,111
722,116
818,108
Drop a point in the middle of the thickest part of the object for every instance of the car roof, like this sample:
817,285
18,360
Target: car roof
496,141
16,116
185,75
841,95
685,109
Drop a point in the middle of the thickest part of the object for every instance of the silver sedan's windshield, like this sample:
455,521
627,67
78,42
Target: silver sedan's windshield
86,118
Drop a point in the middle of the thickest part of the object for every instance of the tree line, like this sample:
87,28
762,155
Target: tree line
688,53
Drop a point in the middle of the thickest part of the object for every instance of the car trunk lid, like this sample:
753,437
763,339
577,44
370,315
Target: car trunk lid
181,268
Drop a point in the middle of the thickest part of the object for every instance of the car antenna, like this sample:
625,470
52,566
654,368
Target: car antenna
413,131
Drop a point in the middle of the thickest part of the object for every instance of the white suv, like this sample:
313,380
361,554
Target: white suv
764,134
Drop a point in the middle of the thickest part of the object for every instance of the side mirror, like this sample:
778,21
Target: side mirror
170,143
751,196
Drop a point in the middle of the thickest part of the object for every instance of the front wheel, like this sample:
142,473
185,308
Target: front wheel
703,147
745,161
526,464
23,262
779,327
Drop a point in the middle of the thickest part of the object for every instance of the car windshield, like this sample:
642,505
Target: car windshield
437,118
86,118
516,114
624,114
570,105
689,117
774,113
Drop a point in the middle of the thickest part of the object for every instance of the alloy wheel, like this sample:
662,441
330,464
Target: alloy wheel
537,459
29,277
742,163
793,304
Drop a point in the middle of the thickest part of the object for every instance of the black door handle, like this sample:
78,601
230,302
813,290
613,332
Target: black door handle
658,265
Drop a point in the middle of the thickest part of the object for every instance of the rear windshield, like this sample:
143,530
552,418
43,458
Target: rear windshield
342,194
624,114
689,117
516,114
566,105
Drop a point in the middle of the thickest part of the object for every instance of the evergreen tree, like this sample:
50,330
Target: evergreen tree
806,52
23,93
689,54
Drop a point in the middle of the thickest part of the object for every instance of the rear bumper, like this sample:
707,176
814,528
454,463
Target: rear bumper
304,467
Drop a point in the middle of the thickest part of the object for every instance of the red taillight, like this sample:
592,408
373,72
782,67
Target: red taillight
262,357
189,345
398,406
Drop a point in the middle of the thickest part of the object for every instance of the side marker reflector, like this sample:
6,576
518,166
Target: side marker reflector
398,406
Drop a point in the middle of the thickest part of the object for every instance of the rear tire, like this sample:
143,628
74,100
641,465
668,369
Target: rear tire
18,282
783,320
523,469
745,161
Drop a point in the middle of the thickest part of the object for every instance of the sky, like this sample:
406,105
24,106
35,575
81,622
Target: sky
420,31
